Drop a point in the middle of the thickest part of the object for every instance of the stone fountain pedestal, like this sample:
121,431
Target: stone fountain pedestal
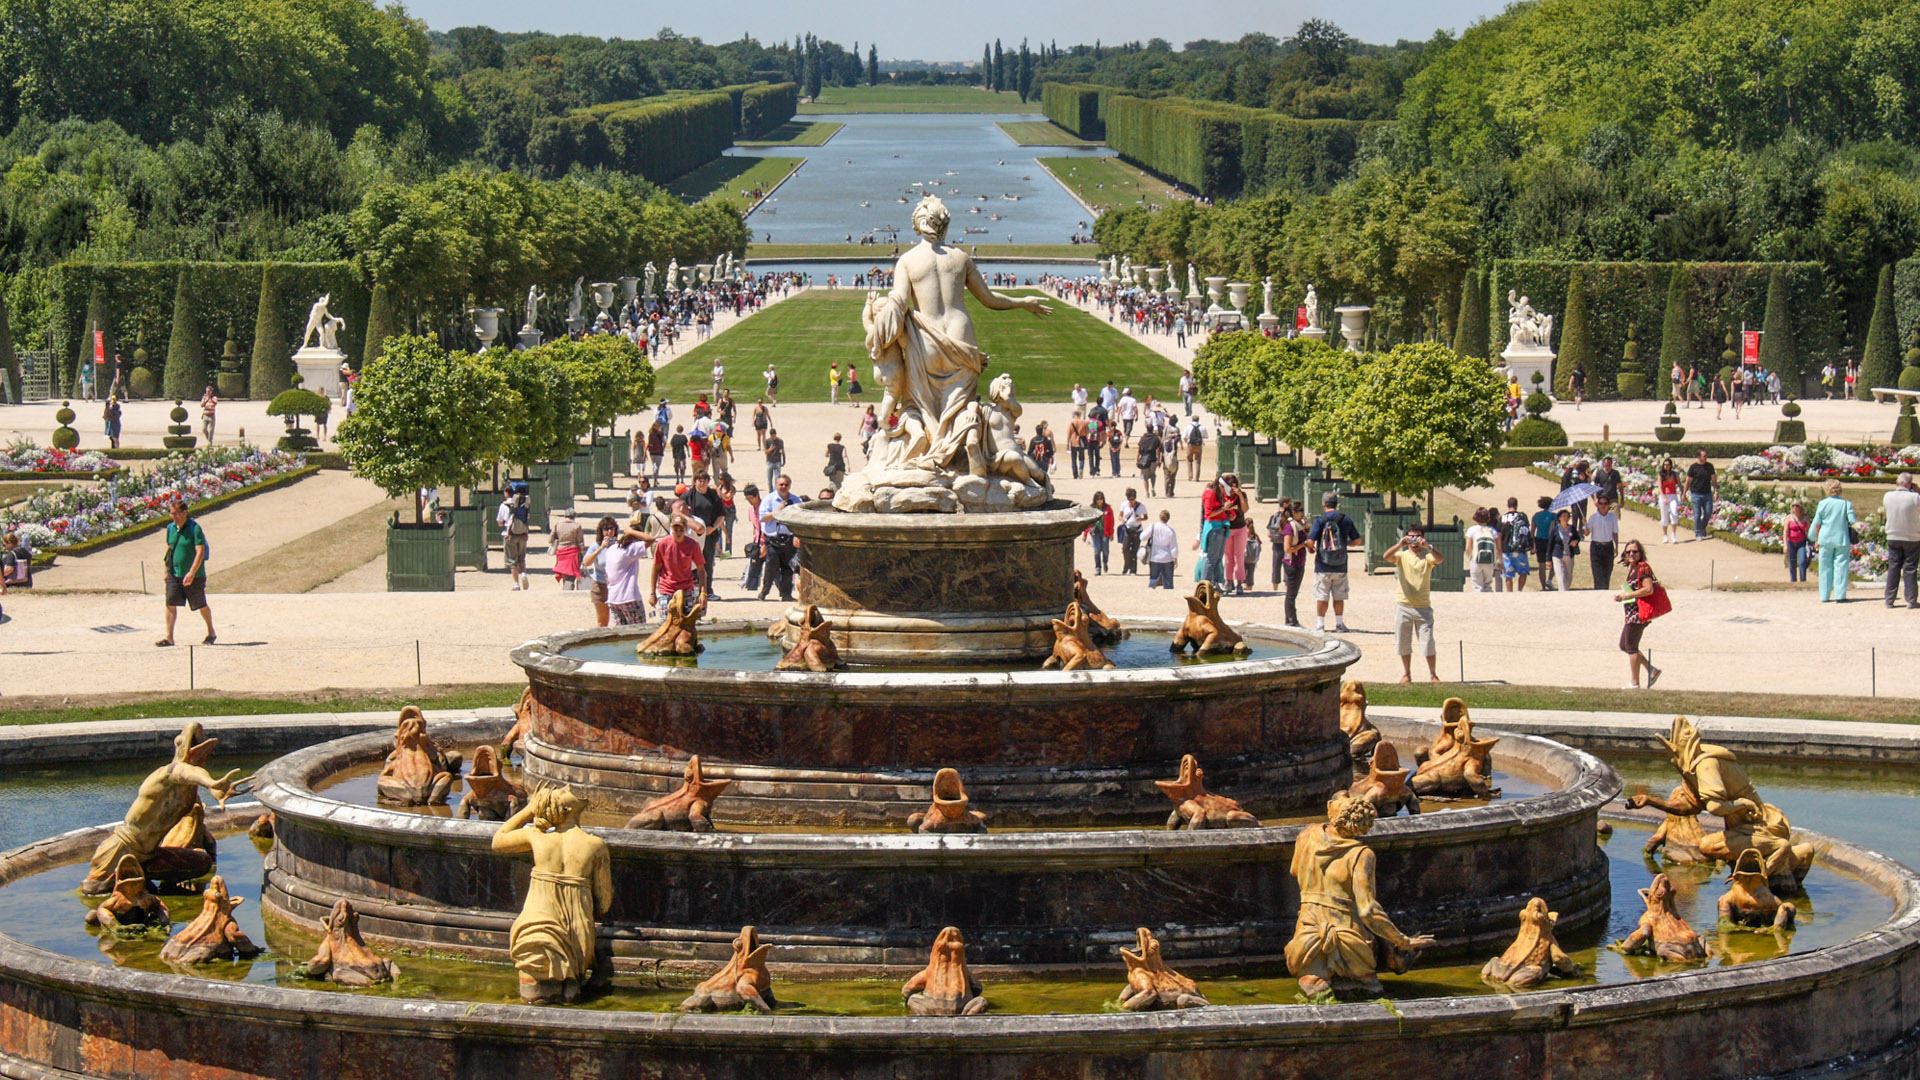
937,588
1524,360
319,369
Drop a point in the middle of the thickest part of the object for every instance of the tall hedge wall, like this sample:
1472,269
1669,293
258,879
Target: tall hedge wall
766,106
1906,299
139,301
1220,149
1619,295
659,138
1074,106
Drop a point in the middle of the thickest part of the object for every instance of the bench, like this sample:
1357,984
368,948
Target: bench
1882,393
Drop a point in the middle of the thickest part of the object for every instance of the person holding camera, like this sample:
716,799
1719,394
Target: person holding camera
1413,561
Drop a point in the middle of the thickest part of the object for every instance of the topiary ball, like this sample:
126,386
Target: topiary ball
1790,410
1539,404
1670,414
142,382
1910,378
65,414
179,412
1539,377
1534,431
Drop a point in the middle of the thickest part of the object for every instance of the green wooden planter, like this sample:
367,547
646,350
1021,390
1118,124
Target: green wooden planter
1382,527
1226,446
603,461
1450,541
419,557
538,505
469,539
582,464
622,463
1267,467
488,503
559,477
1246,456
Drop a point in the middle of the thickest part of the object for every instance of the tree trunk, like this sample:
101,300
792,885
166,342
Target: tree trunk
1429,508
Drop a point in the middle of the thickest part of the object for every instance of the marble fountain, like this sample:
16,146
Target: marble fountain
948,819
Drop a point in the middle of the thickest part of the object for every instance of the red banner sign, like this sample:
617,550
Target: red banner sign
1300,317
1750,346
99,346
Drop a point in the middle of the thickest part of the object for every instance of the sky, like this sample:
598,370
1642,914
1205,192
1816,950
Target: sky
920,31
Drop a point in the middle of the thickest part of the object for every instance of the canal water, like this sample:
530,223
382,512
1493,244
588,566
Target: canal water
868,177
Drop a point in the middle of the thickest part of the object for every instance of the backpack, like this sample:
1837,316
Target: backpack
1485,551
1195,436
1517,532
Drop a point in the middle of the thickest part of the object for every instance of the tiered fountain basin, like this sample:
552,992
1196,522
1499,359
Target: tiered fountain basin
862,745
870,901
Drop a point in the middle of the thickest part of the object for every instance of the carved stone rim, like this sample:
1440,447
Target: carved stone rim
1197,1030
1057,519
1325,656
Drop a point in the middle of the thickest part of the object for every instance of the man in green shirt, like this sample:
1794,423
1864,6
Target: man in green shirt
186,565
1413,561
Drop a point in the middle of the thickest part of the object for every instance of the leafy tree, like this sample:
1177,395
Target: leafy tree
380,325
1233,380
1676,328
1880,359
1470,328
1576,338
186,371
272,367
873,65
1417,418
986,67
999,67
426,417
545,395
1778,351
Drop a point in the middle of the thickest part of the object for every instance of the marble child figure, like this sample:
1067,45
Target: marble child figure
553,941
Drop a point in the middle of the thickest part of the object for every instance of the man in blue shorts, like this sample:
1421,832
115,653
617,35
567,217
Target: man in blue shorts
1516,541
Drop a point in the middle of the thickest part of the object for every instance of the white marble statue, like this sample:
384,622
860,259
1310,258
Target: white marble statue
948,451
573,303
1126,270
1193,281
1173,281
1312,304
1527,328
1266,295
323,323
673,275
534,296
647,290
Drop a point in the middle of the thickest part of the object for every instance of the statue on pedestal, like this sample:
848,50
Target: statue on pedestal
534,296
1527,328
574,321
947,451
324,325
647,289
1312,304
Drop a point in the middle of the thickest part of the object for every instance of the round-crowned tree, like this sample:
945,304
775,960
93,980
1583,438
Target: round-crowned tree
426,417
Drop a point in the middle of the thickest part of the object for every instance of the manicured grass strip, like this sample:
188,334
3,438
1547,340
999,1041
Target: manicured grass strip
308,562
915,99
1046,356
1107,182
47,709
884,253
727,177
1041,133
797,133
1671,702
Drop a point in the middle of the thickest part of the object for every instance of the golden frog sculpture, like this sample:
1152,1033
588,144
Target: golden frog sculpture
417,771
1361,735
1749,904
1103,628
948,812
213,934
744,981
1204,630
1151,984
344,957
1535,955
945,987
1194,807
153,831
685,810
1679,835
516,736
814,650
1662,932
1073,646
679,631
131,909
1385,785
1456,765
490,796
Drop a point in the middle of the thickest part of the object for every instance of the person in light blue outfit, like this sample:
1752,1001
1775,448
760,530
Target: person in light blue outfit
1832,534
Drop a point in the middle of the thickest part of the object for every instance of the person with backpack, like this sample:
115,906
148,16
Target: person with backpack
1483,552
1543,521
1195,438
1516,543
186,566
1330,537
516,524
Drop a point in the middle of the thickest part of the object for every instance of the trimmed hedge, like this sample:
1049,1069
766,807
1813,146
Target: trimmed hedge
1287,153
1906,299
1720,297
139,301
107,540
764,107
1219,149
1074,106
658,138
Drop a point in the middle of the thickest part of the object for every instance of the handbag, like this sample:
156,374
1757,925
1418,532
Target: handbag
753,550
1655,604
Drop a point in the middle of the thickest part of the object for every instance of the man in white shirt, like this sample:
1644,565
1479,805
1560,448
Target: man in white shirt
778,540
1109,397
1603,531
1128,406
1187,388
1902,506
1133,524
1079,395
1163,548
719,376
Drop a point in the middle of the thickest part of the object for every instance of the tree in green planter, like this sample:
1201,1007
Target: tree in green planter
425,417
1880,359
1676,328
628,375
1576,339
1471,328
1417,418
1231,377
1779,352
544,394
272,369
380,322
186,371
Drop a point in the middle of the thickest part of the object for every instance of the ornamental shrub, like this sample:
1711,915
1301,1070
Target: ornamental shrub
186,371
1880,359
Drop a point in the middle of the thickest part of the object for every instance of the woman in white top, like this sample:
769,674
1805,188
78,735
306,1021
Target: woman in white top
1479,535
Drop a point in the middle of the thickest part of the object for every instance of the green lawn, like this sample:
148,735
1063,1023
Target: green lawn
802,336
1041,133
1674,702
797,133
884,252
729,176
83,708
915,99
1107,181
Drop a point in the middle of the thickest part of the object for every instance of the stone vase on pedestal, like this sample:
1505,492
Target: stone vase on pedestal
1237,294
486,325
1214,286
1353,324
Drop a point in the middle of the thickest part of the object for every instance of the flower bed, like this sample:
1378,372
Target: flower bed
1819,461
43,461
1752,516
62,519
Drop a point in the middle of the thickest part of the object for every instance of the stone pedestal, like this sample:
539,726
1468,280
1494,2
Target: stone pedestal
1524,360
1314,333
319,369
530,338
936,588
